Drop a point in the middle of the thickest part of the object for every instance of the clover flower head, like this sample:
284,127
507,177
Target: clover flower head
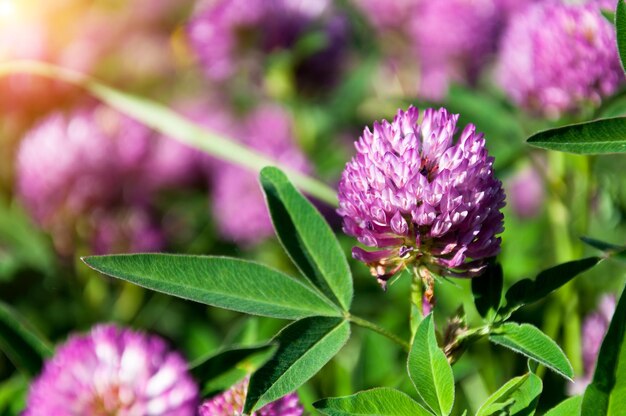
113,371
556,58
420,198
227,35
230,403
453,40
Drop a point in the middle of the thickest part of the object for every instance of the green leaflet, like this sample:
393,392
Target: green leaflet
429,369
304,347
307,238
592,137
518,396
223,282
381,401
531,342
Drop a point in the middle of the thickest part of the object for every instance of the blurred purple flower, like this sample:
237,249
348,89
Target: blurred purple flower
555,58
526,192
94,160
386,15
233,35
125,230
113,371
268,131
421,199
453,41
594,329
231,403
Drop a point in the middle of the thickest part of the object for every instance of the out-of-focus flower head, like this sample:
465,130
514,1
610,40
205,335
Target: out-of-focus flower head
526,192
429,44
238,202
453,40
594,329
420,198
92,160
231,403
555,58
117,371
230,36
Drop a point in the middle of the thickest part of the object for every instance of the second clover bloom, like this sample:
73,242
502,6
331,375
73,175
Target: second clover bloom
422,199
556,58
231,402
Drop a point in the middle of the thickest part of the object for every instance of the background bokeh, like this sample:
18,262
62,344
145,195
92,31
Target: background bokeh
297,81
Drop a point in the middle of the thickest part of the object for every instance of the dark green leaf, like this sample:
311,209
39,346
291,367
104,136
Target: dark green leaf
593,137
531,342
381,401
528,291
608,15
224,368
606,395
304,347
620,29
224,282
21,343
612,250
569,407
487,291
307,238
429,369
519,396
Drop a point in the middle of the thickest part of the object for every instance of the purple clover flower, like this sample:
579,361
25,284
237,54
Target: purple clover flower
267,130
453,40
94,160
231,403
556,58
228,35
594,329
117,371
420,199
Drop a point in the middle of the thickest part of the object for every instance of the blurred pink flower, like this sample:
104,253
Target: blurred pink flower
231,402
238,202
594,329
526,193
556,58
113,371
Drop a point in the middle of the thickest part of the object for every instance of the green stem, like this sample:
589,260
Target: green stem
166,121
417,299
382,331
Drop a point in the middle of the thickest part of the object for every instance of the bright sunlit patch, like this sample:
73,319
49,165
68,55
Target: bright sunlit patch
7,9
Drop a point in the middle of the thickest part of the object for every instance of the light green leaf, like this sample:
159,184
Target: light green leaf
168,122
307,237
606,395
381,401
569,407
593,137
518,396
620,29
531,342
304,347
429,369
223,282
21,343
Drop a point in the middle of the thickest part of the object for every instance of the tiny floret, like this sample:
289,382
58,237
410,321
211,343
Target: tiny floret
422,199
